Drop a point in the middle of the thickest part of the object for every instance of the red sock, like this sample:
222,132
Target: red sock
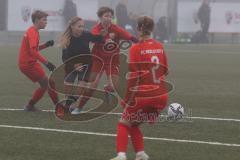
86,96
137,138
38,94
83,101
122,137
52,92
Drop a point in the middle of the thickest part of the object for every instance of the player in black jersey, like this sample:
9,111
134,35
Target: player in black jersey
76,55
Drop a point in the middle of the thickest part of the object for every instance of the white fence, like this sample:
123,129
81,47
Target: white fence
19,12
224,17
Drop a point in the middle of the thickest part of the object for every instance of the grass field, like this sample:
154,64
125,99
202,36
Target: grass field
206,81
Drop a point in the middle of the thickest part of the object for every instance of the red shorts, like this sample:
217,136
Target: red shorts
145,110
34,71
110,69
102,63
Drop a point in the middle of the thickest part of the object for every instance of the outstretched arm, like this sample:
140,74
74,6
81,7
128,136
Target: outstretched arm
124,35
46,45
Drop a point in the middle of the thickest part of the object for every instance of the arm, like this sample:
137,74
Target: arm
42,46
33,39
46,45
43,60
95,31
95,37
124,35
35,53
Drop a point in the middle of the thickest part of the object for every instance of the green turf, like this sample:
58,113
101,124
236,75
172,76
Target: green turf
206,82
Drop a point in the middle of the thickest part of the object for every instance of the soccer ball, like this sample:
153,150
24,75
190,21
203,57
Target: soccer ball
175,111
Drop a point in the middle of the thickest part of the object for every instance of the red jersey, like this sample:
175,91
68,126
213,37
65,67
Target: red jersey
147,67
118,34
29,51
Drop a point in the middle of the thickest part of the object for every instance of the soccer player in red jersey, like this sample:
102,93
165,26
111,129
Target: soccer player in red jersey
146,94
107,51
29,58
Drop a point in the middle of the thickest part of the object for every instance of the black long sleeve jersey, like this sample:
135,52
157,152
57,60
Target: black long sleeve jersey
80,45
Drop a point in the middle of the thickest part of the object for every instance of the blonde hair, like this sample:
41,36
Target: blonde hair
66,36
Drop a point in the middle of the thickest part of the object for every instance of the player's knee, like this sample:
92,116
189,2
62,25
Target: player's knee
125,122
130,123
136,124
43,83
51,83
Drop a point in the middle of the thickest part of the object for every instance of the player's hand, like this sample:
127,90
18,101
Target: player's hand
51,67
78,67
49,43
134,40
112,35
103,32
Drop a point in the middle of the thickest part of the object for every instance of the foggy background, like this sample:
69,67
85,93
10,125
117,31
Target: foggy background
177,21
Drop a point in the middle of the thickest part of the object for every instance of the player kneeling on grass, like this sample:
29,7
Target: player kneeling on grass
29,58
76,56
146,108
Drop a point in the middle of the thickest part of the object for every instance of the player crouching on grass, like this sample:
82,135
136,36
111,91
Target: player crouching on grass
138,107
76,56
29,58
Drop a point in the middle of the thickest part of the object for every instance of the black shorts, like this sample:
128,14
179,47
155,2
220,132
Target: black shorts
71,74
82,75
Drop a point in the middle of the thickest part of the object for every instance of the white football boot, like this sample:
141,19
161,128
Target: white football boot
142,156
120,158
76,111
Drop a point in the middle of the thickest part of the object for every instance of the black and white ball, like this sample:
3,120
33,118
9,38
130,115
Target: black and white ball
175,111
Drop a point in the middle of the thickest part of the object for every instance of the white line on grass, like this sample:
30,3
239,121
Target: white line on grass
200,118
114,135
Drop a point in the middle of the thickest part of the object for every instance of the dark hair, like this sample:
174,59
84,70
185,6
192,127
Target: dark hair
145,25
103,10
36,15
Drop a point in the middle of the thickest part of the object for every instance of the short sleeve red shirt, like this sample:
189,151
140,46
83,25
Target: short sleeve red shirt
144,58
119,34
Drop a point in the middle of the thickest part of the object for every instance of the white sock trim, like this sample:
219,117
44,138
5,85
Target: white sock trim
140,152
122,154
